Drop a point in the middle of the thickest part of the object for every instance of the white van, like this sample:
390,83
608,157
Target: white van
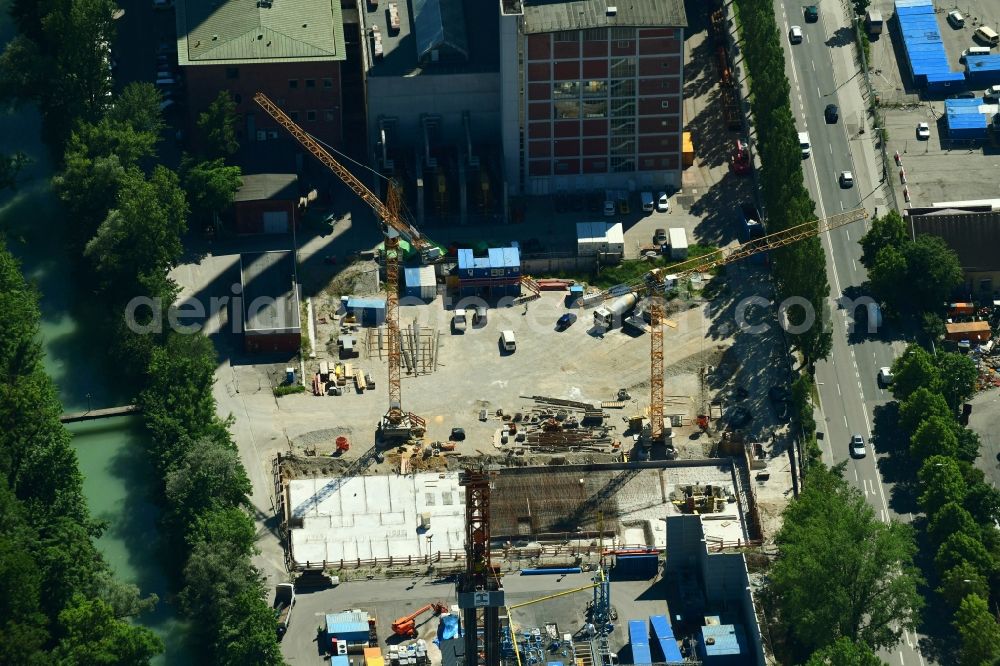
804,144
975,51
986,35
507,341
647,202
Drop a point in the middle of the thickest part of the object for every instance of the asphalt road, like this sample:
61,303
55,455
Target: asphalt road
847,383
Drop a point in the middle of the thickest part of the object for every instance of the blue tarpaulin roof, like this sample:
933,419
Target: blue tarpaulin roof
366,303
923,44
728,639
498,257
989,63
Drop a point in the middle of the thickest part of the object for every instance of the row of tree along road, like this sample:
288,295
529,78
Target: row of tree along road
129,214
844,584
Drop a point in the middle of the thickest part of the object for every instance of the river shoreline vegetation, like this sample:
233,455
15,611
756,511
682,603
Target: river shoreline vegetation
129,215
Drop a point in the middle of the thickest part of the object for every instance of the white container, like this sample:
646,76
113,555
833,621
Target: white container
678,243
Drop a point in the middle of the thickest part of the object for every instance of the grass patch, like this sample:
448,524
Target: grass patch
288,389
862,41
631,270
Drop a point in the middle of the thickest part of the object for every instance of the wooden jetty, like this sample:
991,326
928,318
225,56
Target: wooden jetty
93,414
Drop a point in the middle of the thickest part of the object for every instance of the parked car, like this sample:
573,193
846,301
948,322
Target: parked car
846,180
923,131
992,94
858,449
660,236
956,19
968,94
811,14
831,113
457,434
781,400
795,34
623,206
565,321
609,208
662,202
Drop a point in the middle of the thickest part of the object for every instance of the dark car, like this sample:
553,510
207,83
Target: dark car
457,434
832,113
565,321
660,236
811,14
963,95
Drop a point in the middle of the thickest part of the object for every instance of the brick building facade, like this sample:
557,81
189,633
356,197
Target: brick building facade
292,52
599,92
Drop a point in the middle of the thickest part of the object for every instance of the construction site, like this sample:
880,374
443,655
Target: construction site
565,473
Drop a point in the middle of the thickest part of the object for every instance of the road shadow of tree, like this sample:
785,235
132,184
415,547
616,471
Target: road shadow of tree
844,36
897,466
939,644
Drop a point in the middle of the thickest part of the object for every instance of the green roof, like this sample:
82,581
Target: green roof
232,32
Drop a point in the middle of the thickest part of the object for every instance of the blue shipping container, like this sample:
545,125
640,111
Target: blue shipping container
983,71
635,567
664,634
639,638
721,644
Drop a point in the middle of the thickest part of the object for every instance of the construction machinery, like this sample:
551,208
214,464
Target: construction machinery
406,626
396,424
480,595
658,281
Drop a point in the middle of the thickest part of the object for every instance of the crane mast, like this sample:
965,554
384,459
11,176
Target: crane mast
654,284
396,422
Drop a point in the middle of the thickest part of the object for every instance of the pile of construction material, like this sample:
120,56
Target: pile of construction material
553,425
697,498
336,379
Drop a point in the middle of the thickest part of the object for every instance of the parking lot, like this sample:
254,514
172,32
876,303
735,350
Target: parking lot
936,169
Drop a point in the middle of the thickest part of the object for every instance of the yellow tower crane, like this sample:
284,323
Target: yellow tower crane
655,283
396,422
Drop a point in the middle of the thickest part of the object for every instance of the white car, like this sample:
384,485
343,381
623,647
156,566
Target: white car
846,179
858,446
956,19
992,94
923,131
884,377
609,208
795,34
662,202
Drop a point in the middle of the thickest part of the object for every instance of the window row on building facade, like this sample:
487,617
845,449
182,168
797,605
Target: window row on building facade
602,68
603,42
596,165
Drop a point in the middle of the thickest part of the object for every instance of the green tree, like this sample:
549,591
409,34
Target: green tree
177,404
23,631
968,443
217,125
91,634
914,369
947,520
886,231
231,526
960,548
958,378
860,7
844,652
942,480
932,326
887,276
979,631
211,187
138,106
934,436
802,389
961,581
250,635
831,533
141,239
932,272
983,502
922,404
208,477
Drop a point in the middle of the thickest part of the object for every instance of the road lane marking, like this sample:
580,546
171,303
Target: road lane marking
845,421
814,66
855,264
838,390
831,152
855,474
901,658
819,93
842,206
848,233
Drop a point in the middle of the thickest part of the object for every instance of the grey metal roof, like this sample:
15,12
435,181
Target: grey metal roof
262,186
270,299
230,32
554,15
439,24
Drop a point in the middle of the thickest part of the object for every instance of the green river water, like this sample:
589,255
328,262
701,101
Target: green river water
118,479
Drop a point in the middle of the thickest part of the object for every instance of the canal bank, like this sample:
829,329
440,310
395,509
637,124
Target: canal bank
118,480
